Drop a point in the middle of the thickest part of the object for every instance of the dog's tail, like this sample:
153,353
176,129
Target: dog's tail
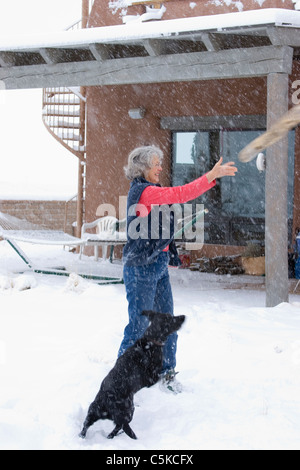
129,431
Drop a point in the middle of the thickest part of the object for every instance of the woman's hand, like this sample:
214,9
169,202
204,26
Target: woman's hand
219,170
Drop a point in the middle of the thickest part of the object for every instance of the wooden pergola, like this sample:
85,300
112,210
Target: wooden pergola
236,45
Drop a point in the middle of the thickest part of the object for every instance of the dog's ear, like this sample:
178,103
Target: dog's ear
180,319
149,314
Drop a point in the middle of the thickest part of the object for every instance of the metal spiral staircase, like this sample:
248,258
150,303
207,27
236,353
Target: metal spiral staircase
64,115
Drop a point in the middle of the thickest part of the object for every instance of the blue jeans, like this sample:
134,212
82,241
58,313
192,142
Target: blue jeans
148,288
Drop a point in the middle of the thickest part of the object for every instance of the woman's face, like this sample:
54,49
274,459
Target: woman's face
153,174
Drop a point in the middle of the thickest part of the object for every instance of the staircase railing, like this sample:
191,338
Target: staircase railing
62,111
64,116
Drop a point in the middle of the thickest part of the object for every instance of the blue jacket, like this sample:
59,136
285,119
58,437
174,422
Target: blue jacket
146,236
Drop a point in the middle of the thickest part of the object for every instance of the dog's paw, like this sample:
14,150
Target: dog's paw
114,432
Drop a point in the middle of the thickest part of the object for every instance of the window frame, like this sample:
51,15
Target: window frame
219,123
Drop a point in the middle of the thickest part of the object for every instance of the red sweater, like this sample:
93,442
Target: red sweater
156,195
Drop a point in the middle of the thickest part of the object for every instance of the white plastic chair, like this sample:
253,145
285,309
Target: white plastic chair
106,229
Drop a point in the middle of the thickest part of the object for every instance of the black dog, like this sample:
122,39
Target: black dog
138,367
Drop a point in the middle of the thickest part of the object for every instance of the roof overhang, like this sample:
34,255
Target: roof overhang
251,43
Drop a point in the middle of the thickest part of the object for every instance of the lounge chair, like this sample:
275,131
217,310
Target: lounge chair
15,230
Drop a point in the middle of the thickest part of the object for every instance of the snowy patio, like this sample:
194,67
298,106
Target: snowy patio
239,362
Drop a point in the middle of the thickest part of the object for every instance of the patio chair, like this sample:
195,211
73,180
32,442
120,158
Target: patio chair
109,232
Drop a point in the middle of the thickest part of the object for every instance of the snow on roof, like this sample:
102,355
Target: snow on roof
166,28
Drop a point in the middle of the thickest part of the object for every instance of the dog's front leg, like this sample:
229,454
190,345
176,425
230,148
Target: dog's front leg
82,434
90,419
114,432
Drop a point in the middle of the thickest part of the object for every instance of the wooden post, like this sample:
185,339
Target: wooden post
277,283
81,168
79,200
80,196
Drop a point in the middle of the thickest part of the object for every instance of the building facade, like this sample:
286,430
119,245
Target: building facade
194,123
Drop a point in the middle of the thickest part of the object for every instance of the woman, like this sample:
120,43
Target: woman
146,258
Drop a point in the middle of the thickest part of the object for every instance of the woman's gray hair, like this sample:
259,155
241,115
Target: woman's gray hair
140,161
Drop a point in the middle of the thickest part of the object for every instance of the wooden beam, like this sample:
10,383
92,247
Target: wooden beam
211,41
251,62
154,47
192,123
284,36
48,56
99,51
277,285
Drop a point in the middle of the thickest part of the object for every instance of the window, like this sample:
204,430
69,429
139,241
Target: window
236,205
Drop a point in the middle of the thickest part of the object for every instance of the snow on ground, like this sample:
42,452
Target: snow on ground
238,361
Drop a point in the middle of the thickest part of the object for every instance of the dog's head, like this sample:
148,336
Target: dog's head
162,324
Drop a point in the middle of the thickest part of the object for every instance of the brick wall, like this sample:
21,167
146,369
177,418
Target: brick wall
47,214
